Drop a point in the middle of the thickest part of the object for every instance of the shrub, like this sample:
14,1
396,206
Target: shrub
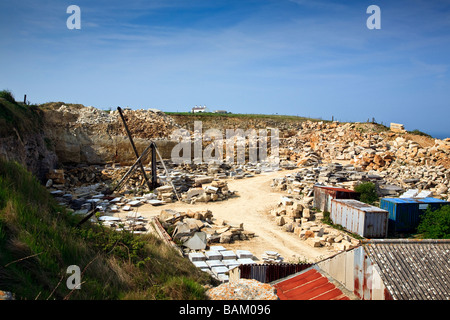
368,192
435,224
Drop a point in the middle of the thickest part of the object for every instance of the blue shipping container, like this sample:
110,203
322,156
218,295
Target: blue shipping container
405,213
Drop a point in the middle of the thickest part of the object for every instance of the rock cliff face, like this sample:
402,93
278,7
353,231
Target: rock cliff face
30,150
91,136
22,138
68,134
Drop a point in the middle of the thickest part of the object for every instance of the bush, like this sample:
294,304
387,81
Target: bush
368,192
435,224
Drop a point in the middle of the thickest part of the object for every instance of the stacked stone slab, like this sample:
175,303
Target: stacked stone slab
219,261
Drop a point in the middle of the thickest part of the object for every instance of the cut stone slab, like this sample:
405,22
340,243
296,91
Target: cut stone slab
134,203
219,270
216,248
197,241
244,254
114,209
245,261
196,256
183,229
202,180
230,263
163,189
200,264
108,218
214,263
228,255
213,255
155,202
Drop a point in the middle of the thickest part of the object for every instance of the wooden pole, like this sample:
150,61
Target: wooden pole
134,148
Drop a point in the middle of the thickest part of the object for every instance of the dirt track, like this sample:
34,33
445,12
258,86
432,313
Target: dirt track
255,200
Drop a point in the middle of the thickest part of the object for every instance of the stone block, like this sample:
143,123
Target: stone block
214,263
306,213
309,234
225,237
280,221
241,254
196,256
313,242
288,227
213,255
228,255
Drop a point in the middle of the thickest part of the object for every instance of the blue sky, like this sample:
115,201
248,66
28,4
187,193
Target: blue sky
298,57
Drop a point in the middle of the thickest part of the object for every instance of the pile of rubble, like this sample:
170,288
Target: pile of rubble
143,123
191,184
303,180
196,230
146,123
133,222
392,182
369,148
243,289
86,198
296,217
432,178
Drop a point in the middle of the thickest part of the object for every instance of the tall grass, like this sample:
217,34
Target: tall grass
39,240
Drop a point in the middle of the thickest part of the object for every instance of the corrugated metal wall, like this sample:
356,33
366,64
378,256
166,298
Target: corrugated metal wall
405,213
324,195
368,224
270,272
356,272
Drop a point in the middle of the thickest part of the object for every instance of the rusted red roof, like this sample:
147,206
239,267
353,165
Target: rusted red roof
309,285
336,189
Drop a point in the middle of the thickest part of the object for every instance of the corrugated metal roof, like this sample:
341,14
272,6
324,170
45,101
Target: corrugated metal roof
415,200
413,269
309,285
335,189
359,205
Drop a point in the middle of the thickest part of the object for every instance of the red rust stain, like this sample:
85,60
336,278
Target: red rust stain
356,287
387,295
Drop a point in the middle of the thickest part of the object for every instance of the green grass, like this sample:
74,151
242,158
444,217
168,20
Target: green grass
242,115
17,118
39,240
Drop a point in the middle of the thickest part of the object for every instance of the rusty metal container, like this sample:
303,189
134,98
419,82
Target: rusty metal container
323,196
360,218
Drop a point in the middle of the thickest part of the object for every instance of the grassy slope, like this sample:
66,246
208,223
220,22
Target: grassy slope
38,241
17,116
